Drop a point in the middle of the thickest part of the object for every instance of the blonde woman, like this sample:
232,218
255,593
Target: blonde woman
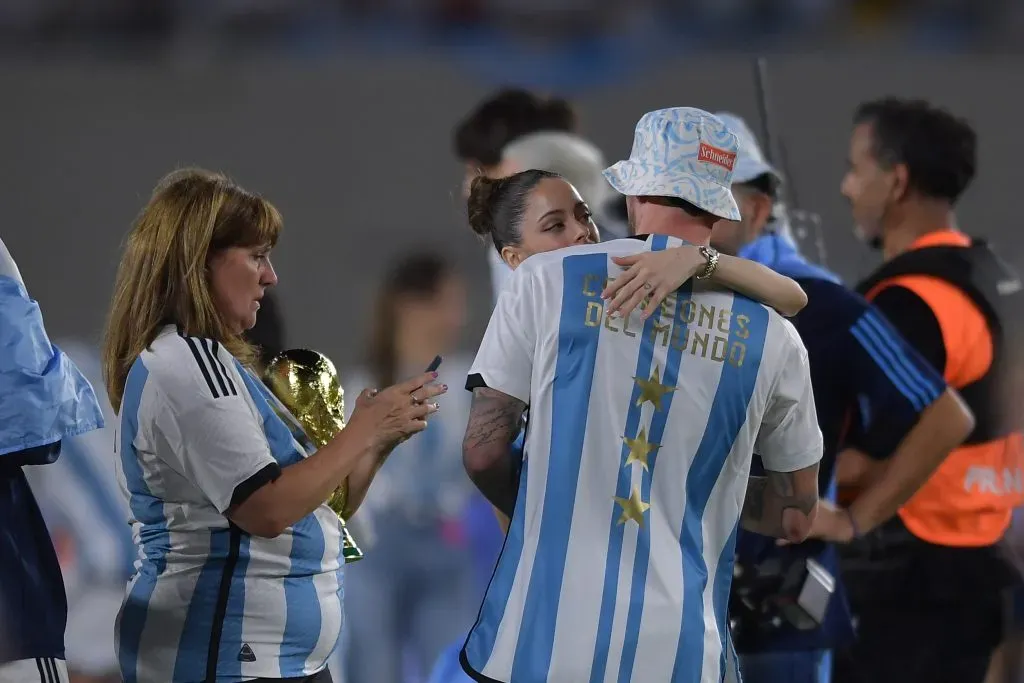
239,572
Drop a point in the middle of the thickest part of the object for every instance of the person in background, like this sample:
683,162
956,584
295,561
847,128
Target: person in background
928,590
504,116
859,366
44,400
87,518
414,591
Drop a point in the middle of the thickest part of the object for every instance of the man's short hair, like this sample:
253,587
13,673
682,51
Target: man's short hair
505,116
938,148
765,183
689,208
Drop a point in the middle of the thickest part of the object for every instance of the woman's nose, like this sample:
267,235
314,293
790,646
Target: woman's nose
269,278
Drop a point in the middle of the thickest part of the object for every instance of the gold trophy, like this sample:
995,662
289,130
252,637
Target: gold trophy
306,384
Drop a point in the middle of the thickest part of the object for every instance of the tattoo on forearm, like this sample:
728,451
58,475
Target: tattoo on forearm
768,500
494,422
753,505
493,418
782,485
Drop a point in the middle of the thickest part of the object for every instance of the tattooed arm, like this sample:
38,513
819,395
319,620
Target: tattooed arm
494,422
782,504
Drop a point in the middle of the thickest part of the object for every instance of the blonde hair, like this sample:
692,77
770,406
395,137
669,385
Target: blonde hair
162,278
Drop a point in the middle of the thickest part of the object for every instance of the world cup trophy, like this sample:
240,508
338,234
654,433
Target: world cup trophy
306,383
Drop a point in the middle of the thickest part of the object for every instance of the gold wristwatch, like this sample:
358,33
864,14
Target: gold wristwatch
711,254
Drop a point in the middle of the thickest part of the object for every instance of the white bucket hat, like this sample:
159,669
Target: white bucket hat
681,152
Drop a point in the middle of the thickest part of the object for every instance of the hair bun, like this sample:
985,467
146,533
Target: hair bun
479,206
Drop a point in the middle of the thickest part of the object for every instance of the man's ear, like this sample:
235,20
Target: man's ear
763,205
900,182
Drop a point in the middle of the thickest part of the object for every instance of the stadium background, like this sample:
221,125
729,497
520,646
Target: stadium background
341,113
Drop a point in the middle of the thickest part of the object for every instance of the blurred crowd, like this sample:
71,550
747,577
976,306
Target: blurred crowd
944,24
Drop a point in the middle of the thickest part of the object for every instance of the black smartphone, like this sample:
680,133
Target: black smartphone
434,364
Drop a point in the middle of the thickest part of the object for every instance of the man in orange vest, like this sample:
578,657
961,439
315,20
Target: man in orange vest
929,596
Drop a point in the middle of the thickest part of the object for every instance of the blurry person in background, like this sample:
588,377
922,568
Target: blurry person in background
928,588
860,367
44,399
88,521
415,590
481,137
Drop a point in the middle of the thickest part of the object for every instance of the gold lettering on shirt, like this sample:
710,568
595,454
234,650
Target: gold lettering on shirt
699,330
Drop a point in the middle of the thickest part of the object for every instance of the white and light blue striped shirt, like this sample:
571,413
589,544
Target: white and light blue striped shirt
209,602
618,562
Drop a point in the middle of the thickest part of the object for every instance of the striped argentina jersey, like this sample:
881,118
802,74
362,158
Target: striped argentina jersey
208,602
618,562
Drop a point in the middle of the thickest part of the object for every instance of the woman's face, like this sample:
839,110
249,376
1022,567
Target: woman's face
238,278
555,217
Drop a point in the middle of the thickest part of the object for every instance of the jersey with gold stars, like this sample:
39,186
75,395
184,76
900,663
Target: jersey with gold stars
618,562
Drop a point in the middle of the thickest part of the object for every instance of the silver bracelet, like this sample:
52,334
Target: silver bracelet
711,254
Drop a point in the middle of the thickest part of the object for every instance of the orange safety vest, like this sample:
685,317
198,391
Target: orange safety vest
969,499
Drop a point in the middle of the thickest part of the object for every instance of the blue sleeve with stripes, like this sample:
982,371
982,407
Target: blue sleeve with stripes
893,384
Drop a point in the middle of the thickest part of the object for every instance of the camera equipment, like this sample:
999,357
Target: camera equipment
783,591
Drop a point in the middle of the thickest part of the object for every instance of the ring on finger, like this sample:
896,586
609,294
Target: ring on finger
648,286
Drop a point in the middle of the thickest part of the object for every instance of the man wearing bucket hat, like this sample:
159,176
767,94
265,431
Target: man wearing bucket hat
618,562
860,367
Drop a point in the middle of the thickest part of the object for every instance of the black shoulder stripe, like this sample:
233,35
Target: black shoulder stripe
202,366
223,370
208,350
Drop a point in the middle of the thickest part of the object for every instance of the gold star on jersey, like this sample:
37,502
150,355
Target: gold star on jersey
652,389
639,448
633,508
